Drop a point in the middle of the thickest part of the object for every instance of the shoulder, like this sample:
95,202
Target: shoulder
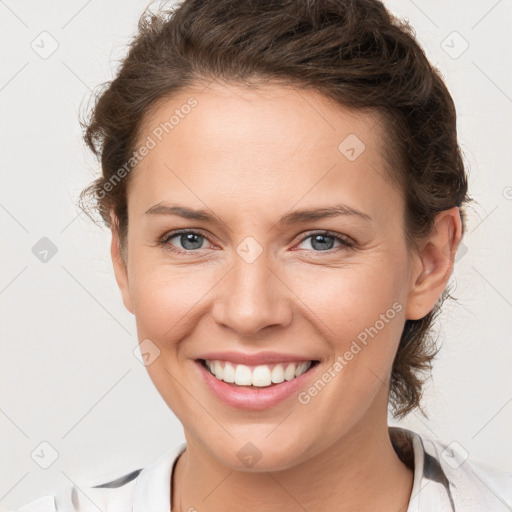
117,494
81,497
474,485
447,478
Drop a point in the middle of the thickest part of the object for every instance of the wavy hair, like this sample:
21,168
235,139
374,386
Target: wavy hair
353,51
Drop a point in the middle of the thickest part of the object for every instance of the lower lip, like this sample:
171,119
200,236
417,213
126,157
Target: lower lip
254,398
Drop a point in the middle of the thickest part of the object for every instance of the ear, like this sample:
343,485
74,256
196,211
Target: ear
434,264
120,267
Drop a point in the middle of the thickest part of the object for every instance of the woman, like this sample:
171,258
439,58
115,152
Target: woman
286,195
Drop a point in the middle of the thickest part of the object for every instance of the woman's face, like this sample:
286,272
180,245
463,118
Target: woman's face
254,278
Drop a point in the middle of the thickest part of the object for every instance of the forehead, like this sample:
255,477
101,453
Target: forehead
271,114
260,144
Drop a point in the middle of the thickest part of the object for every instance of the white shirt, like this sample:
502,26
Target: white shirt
444,481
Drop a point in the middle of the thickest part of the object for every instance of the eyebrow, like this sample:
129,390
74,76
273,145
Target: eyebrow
294,217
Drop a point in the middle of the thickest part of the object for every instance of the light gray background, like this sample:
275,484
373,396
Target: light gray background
68,373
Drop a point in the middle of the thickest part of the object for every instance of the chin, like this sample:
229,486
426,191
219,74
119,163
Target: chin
256,454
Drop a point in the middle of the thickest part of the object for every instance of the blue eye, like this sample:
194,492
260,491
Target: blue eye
192,241
324,241
189,240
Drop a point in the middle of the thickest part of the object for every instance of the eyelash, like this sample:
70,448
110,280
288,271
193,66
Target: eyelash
164,241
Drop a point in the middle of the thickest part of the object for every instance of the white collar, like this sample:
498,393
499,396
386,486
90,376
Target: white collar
153,488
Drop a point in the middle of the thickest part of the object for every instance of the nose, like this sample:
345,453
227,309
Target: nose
252,297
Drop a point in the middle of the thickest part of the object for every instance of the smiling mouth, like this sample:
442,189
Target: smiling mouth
261,376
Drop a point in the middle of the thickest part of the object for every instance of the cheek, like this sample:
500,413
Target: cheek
343,302
166,299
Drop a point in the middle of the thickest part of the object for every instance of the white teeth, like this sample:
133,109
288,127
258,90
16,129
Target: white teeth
289,373
259,376
242,375
301,369
229,373
217,370
278,374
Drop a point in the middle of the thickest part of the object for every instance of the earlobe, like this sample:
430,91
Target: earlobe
120,266
434,264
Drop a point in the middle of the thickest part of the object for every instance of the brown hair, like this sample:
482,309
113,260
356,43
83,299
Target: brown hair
353,51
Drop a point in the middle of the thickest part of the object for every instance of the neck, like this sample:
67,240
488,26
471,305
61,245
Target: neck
359,472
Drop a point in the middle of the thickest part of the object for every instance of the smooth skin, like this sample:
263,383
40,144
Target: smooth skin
250,156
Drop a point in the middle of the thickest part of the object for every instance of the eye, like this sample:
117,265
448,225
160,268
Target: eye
192,241
188,241
324,241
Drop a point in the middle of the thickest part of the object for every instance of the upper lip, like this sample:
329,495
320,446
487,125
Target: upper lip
256,358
